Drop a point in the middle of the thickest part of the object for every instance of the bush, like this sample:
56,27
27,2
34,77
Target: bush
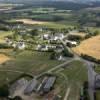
74,38
4,91
90,58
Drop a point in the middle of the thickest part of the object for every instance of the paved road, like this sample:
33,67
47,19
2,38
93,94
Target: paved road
91,73
91,79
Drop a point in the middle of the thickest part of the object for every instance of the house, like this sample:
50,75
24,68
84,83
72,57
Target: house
21,45
45,47
58,36
32,86
71,43
46,37
49,84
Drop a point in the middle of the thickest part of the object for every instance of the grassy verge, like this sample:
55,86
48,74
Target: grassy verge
75,75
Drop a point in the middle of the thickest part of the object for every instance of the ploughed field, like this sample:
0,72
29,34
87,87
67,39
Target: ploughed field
89,47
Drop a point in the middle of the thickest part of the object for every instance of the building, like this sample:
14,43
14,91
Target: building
46,37
18,85
21,45
71,43
49,84
8,41
45,47
58,36
32,86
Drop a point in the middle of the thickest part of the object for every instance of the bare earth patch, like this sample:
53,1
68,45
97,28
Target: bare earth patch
3,58
89,47
29,21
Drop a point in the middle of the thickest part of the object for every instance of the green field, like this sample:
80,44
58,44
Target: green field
3,34
29,62
76,74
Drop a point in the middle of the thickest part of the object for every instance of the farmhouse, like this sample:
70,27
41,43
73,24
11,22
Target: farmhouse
57,36
21,45
45,47
71,43
46,37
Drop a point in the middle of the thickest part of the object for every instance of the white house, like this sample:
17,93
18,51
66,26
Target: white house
21,45
58,36
46,36
71,42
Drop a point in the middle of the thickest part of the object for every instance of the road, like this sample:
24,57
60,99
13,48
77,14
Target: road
91,72
91,79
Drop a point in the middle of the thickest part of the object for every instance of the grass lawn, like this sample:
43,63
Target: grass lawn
29,61
98,95
76,74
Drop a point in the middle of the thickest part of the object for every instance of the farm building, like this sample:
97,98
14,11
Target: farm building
32,86
17,85
49,84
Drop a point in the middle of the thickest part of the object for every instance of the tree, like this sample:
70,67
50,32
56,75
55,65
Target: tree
96,32
4,91
34,32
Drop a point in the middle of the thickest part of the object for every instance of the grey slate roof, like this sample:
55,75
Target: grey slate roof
32,85
49,84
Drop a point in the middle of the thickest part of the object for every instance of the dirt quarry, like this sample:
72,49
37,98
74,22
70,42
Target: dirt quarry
3,58
89,47
29,21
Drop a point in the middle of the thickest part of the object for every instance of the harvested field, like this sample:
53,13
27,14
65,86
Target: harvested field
89,47
3,58
29,21
82,34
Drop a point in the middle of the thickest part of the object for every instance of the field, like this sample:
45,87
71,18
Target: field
29,21
3,34
74,74
44,23
89,47
3,58
27,61
81,34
